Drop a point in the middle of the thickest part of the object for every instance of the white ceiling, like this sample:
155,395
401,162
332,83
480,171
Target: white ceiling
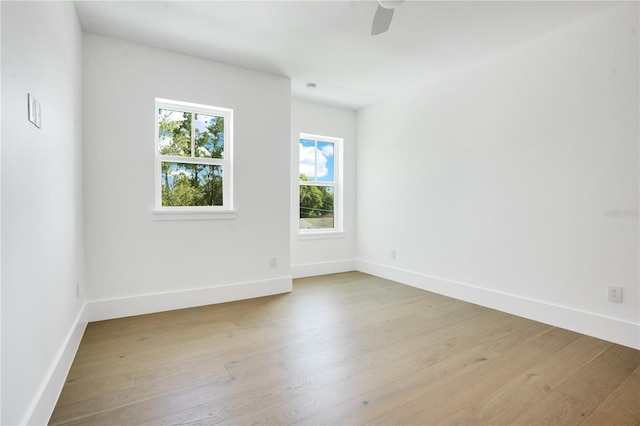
329,42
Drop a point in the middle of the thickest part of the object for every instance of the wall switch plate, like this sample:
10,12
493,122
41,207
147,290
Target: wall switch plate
615,294
38,122
33,110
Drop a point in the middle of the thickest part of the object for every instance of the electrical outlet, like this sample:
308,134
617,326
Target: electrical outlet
615,294
273,262
77,290
394,254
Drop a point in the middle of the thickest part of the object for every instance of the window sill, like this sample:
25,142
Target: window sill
157,214
318,235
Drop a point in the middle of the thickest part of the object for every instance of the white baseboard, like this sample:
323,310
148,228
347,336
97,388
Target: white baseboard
45,401
322,268
167,301
611,329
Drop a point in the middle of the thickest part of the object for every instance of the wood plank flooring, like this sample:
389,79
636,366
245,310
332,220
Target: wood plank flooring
346,349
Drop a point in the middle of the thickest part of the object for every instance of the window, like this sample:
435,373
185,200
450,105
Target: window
320,189
193,157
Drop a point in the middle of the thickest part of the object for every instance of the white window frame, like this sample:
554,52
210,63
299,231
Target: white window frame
226,210
337,183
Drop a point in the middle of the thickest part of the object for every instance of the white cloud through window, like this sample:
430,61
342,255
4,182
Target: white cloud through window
308,160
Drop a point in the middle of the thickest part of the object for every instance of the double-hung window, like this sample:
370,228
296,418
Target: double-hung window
193,157
320,184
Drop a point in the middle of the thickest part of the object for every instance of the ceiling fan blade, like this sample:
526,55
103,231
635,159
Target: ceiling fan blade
381,20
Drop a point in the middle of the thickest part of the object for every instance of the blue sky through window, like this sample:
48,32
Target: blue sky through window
317,160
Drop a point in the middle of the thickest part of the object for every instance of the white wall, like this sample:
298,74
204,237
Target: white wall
317,256
0,218
42,237
493,185
135,264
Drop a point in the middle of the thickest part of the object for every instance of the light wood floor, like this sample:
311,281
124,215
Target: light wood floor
346,349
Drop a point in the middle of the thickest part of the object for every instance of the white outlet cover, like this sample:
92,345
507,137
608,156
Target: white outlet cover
615,294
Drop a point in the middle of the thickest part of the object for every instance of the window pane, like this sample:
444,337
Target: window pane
316,207
186,184
209,136
307,159
324,158
174,132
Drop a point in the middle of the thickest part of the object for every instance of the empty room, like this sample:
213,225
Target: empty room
320,212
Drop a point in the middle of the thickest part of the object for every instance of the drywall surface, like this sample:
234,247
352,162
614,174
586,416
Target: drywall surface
0,221
515,178
129,255
42,230
329,253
